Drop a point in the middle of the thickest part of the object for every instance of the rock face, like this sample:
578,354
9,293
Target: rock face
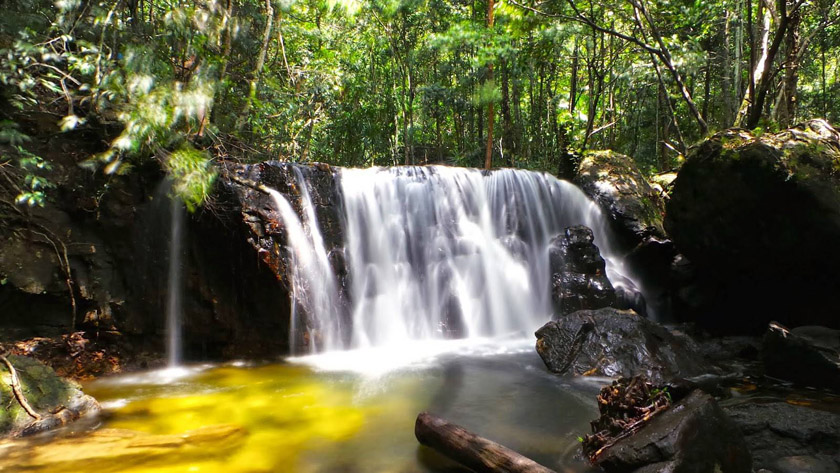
240,274
579,279
809,356
612,342
57,401
635,211
777,430
759,217
86,230
694,435
614,181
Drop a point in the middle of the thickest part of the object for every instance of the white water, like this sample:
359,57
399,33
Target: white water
174,288
434,253
315,298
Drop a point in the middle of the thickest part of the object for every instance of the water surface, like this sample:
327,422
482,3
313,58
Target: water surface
319,415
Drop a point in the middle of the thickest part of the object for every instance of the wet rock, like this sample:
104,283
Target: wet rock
239,283
635,211
57,401
806,464
693,435
778,429
612,342
614,181
627,297
579,277
759,218
82,356
809,356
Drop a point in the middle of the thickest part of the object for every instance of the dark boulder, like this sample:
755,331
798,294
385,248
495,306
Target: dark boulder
692,436
614,181
579,278
612,342
55,400
809,356
635,210
777,429
759,218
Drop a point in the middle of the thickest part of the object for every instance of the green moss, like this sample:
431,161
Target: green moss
43,389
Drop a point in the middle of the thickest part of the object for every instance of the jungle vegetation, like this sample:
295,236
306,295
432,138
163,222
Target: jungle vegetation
521,83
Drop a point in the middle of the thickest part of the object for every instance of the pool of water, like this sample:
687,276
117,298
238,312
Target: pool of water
347,412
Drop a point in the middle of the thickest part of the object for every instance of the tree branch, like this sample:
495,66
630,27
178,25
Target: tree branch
16,389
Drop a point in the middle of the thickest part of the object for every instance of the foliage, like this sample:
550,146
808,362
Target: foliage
35,186
382,82
193,174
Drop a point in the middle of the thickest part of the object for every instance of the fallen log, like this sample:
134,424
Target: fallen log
477,453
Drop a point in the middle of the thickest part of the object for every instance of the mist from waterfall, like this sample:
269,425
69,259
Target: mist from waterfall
434,253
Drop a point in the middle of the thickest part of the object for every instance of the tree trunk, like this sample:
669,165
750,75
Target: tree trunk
488,152
507,123
257,73
474,452
574,79
755,108
726,66
786,108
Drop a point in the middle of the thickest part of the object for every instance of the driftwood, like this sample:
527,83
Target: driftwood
477,453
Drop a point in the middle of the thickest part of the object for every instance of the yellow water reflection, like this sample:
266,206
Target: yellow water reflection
231,420
289,418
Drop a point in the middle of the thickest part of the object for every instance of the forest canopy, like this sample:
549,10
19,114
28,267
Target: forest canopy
382,82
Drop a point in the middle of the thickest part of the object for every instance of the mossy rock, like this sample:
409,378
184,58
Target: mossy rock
759,216
613,180
56,399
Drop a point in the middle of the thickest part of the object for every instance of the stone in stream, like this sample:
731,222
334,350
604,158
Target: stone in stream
759,218
778,430
809,356
58,401
692,436
579,279
612,342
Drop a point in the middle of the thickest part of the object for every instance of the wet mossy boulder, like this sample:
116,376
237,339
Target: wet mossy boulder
634,208
635,211
55,400
759,218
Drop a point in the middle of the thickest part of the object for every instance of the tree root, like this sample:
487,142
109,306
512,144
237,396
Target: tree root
16,389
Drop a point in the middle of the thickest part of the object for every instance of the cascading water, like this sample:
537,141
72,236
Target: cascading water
174,288
313,284
433,253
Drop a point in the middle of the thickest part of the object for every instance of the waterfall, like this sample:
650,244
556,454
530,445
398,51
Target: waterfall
314,290
174,288
434,252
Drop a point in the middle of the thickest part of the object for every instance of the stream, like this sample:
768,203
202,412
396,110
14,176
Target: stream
320,414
